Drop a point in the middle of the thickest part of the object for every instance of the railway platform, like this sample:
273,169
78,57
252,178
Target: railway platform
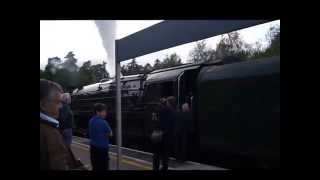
132,159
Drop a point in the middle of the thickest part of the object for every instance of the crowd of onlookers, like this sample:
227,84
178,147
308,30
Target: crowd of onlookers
172,127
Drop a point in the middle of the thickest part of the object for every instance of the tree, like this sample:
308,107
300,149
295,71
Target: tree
52,66
54,61
256,51
70,62
70,76
232,45
85,66
273,48
100,72
105,72
273,37
63,77
86,75
132,68
171,61
201,53
44,75
157,64
124,70
147,68
89,74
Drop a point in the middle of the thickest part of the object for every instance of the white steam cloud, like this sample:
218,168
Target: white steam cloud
107,30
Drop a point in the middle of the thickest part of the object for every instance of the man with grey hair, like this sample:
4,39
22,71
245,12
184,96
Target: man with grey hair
66,119
66,98
54,154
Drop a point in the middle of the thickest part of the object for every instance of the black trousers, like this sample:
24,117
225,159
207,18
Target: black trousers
181,146
99,158
161,152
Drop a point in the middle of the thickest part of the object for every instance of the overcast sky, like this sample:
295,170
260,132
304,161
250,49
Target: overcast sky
57,38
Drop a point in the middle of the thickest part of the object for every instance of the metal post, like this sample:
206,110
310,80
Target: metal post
118,107
178,99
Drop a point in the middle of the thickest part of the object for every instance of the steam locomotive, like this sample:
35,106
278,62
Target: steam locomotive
235,109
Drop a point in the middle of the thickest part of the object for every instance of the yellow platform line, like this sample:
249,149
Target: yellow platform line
113,156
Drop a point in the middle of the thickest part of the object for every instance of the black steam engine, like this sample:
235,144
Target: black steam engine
235,109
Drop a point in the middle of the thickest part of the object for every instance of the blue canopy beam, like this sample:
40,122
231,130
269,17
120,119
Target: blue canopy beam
172,33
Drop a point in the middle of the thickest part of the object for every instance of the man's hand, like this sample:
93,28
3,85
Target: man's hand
110,134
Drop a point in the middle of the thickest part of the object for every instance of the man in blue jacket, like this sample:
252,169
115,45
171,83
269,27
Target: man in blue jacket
99,133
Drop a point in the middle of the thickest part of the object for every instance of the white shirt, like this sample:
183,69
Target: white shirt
49,119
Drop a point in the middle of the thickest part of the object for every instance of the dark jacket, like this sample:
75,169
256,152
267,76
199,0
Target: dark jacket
184,122
65,117
167,118
54,155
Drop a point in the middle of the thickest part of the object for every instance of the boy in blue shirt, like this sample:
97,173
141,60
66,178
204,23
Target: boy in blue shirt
99,133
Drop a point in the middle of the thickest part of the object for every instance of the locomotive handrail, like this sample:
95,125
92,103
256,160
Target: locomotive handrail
75,111
88,99
125,111
109,91
91,99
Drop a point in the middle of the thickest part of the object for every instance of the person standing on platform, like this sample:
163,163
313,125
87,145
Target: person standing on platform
54,154
156,136
66,119
99,134
167,116
183,126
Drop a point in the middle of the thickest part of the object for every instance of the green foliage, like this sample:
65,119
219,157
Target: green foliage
273,49
99,71
201,53
134,68
44,75
86,75
63,77
157,64
147,68
274,40
69,75
171,61
232,44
